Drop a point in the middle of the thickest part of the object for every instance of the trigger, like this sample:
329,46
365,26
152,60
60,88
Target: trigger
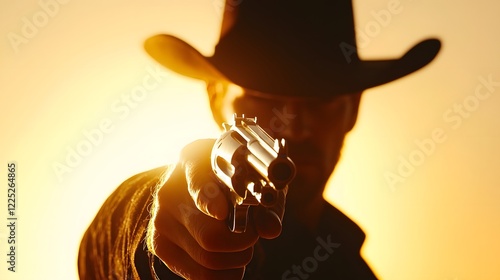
238,218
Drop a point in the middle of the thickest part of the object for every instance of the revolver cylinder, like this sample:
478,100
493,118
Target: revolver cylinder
252,165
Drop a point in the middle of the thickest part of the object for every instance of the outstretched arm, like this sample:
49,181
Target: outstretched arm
113,246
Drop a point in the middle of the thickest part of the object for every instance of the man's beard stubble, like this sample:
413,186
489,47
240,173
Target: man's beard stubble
313,171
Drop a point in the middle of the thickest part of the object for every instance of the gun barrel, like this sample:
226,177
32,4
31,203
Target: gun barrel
281,172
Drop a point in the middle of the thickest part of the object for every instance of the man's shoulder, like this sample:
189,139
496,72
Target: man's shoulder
336,222
142,185
152,176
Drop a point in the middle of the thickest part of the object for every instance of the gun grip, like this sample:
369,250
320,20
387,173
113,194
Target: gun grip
238,217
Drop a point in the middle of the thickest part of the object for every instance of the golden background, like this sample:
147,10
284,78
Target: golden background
76,119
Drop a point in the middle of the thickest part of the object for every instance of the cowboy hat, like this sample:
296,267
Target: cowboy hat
288,47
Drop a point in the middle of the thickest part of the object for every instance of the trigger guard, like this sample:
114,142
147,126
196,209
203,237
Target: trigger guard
237,220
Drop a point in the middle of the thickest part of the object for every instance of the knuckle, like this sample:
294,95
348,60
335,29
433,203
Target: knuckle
201,204
210,260
214,240
246,256
210,190
209,240
223,261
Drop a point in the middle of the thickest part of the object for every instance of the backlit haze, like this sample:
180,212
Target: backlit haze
83,108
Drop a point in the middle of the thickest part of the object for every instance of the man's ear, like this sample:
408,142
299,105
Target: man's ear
353,109
216,91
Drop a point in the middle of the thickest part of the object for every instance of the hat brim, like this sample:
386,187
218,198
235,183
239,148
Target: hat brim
181,57
178,56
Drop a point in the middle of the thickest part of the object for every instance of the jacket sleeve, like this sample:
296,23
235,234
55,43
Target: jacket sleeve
113,247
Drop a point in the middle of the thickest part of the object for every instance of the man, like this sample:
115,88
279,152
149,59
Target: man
294,66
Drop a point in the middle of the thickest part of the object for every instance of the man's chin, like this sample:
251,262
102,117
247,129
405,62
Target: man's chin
307,181
309,172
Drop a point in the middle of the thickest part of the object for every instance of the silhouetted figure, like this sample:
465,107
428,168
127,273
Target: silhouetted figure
294,65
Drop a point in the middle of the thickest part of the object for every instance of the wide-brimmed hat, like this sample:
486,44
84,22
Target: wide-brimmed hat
289,47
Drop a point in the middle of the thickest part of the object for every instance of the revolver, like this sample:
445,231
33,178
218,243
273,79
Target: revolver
251,166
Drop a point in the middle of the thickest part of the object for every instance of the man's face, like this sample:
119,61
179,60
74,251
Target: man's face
313,127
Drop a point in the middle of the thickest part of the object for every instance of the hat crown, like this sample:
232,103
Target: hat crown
318,23
267,37
289,47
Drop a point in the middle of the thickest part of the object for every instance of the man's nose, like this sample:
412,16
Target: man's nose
293,121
